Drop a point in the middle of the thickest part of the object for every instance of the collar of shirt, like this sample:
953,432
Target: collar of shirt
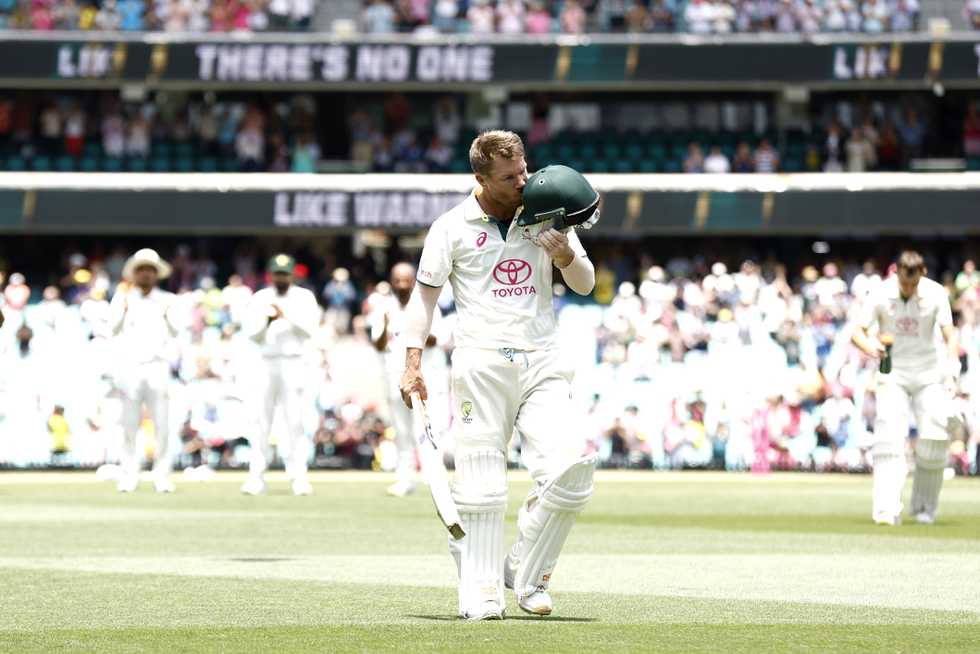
894,292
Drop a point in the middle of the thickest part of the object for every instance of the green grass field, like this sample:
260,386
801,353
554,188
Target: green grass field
658,562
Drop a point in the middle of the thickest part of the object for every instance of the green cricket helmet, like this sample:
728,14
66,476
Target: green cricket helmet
561,195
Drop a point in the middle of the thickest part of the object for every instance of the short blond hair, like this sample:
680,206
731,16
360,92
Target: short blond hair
494,143
911,262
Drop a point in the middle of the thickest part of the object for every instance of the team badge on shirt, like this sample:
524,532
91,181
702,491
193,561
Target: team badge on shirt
466,409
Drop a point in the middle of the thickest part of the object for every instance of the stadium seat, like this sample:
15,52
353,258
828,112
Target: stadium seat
92,150
137,165
599,166
184,150
89,164
648,166
624,166
673,166
973,163
207,165
65,164
230,165
112,164
589,152
634,151
612,151
16,163
160,165
41,163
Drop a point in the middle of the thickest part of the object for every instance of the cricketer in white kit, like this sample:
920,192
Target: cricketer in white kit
281,319
910,308
507,373
141,320
387,324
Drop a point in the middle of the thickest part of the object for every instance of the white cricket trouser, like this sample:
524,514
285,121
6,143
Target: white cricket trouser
897,400
280,382
496,392
401,420
146,384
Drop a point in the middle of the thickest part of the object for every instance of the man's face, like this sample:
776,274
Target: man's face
402,281
282,280
505,182
908,281
145,276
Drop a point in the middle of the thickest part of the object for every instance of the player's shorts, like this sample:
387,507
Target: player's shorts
496,392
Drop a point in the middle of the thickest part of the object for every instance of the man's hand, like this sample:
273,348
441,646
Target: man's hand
874,348
412,381
556,245
276,312
1,318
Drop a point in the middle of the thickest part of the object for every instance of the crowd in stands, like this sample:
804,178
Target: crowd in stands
532,17
537,17
74,133
157,15
686,363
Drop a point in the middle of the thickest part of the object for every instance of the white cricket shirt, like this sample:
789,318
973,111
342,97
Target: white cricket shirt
142,324
502,286
394,353
918,350
286,336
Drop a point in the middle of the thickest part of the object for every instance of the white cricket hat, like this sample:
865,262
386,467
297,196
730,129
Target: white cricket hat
146,257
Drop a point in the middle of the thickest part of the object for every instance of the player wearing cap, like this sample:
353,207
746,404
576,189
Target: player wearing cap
910,309
141,320
281,319
507,372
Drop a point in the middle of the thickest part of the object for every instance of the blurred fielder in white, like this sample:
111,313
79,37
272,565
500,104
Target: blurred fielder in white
387,323
910,308
281,319
141,320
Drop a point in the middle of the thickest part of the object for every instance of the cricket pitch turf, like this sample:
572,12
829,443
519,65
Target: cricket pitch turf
691,562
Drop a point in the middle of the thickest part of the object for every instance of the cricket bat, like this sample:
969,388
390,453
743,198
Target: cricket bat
434,470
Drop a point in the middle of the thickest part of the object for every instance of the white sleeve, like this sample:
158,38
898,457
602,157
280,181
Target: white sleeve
418,315
579,275
117,313
256,320
305,317
944,315
436,262
869,312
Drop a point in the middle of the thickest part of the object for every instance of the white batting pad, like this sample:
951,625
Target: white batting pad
545,526
930,461
480,492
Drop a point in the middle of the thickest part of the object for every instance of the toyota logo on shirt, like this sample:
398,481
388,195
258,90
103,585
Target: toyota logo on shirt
511,272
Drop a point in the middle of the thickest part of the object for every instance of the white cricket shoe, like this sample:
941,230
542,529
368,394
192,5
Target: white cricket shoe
489,610
164,485
537,603
925,518
401,488
301,486
888,520
128,484
254,486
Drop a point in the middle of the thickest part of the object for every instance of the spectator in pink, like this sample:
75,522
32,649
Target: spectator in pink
573,18
510,16
481,17
538,19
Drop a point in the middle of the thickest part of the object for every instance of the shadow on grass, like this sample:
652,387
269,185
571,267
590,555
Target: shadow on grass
453,618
